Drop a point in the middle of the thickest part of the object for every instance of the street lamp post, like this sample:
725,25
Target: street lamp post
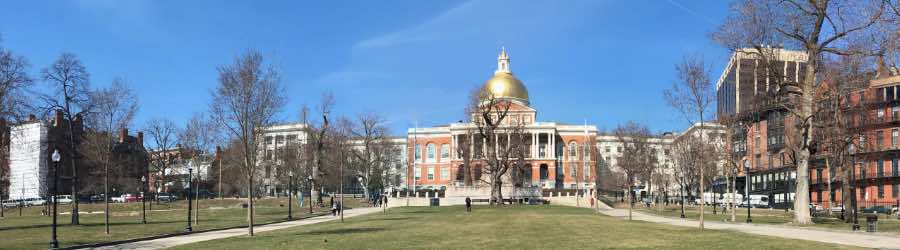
55,157
190,202
290,194
143,200
747,189
309,180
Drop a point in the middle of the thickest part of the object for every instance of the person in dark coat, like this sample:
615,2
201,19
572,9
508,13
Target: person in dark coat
468,204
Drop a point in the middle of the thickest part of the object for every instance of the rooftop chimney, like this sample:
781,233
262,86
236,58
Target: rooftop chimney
32,118
140,138
123,134
58,118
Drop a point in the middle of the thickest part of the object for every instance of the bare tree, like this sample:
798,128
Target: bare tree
318,136
70,93
114,109
691,94
248,97
817,28
14,81
489,116
371,150
163,134
637,158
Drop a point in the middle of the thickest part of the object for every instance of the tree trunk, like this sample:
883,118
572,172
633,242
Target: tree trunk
106,196
630,200
250,207
828,185
496,194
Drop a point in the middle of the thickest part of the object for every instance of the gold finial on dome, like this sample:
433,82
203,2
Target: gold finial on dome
503,85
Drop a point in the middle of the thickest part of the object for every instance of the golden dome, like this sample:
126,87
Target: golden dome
505,86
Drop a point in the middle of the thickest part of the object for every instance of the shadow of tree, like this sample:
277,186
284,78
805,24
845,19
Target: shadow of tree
343,231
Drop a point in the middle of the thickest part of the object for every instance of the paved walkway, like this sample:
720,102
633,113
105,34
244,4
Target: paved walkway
198,237
861,239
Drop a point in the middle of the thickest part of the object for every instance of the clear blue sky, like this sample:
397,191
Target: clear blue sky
604,61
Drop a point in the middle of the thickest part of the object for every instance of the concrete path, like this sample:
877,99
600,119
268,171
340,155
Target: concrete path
861,239
198,237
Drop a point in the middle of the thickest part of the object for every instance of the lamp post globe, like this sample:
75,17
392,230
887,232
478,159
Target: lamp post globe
55,157
143,200
309,180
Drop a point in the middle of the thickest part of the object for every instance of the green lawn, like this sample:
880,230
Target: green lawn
510,227
774,216
32,230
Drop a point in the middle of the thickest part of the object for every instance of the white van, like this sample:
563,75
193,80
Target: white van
757,200
727,199
708,198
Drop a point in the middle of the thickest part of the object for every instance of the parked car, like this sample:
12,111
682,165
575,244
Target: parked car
756,200
837,209
132,198
64,199
118,199
96,198
12,203
35,202
815,207
166,197
879,209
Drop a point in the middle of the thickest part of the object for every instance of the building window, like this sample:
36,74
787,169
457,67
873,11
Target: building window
574,171
879,139
292,138
895,168
573,150
445,173
894,135
418,153
819,176
607,149
896,191
895,111
880,115
587,170
268,140
279,140
431,173
418,173
880,189
429,154
445,152
880,168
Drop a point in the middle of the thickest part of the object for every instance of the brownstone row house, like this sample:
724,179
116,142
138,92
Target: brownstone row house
751,103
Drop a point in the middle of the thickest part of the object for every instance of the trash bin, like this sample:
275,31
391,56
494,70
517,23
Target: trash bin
871,223
435,202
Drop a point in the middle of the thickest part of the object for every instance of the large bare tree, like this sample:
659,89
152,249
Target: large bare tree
692,94
638,157
14,82
372,151
247,99
498,136
114,110
163,135
818,28
69,92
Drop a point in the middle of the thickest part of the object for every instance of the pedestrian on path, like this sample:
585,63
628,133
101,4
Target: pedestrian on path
468,204
333,209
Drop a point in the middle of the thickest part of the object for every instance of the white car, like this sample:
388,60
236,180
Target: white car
118,199
64,199
35,202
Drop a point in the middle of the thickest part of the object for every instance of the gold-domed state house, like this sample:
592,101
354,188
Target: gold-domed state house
558,155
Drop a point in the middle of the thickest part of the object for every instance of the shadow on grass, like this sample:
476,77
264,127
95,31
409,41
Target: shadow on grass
421,212
93,224
393,218
343,231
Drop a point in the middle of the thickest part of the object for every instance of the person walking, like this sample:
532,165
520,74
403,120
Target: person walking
384,200
333,209
468,204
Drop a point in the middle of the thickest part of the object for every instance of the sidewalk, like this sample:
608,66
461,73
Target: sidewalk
198,237
861,239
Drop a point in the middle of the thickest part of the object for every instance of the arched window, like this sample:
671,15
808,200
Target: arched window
445,152
573,150
430,152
